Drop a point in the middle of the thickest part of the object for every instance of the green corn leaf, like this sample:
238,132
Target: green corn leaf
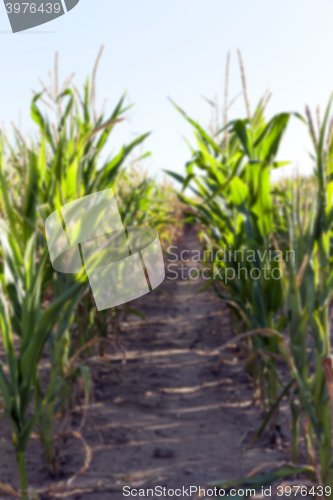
6,197
5,390
310,408
48,319
203,134
271,412
269,141
69,107
31,303
239,192
244,137
136,312
317,332
256,482
41,122
327,292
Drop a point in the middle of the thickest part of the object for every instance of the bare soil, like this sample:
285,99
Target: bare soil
172,421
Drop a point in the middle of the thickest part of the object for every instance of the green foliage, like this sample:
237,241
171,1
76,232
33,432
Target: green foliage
242,211
39,309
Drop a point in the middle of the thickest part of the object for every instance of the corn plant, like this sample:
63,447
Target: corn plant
307,300
24,276
58,165
234,204
307,297
233,200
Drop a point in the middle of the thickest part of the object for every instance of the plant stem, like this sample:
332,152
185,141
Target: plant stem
20,457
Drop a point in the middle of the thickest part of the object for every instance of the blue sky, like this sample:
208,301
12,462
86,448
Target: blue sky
157,49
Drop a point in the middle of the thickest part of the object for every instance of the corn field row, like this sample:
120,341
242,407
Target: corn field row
280,301
280,297
41,310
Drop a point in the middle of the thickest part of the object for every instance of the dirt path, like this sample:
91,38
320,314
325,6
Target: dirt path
171,421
